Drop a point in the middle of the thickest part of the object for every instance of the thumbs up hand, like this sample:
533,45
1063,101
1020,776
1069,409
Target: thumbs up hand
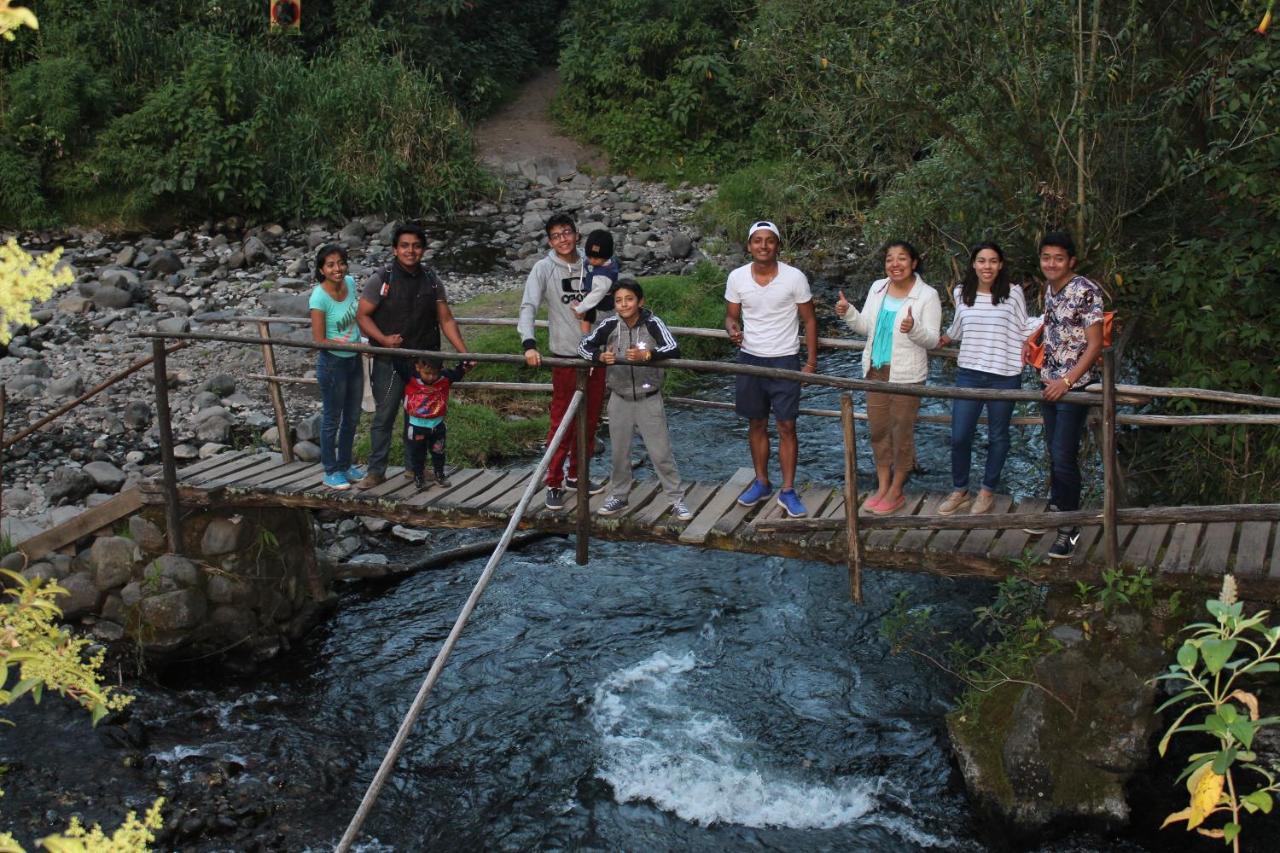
908,323
842,305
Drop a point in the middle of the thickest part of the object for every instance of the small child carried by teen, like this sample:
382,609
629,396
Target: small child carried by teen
601,278
426,400
628,342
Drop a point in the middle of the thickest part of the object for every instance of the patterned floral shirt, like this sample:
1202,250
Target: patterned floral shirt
1067,314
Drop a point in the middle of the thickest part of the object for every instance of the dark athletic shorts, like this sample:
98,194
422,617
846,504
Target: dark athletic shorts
757,396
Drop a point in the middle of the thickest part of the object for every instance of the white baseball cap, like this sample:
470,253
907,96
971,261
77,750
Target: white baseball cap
765,225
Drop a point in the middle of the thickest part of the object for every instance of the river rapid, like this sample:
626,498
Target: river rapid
658,698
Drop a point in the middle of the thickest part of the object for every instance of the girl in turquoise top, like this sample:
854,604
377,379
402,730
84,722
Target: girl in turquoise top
339,374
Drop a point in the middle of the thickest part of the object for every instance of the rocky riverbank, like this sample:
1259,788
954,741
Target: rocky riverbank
201,278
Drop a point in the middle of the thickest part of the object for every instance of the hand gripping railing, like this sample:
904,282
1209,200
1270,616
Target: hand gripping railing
389,760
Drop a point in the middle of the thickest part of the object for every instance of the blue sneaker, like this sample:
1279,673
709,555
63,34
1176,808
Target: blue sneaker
354,474
755,493
790,501
337,480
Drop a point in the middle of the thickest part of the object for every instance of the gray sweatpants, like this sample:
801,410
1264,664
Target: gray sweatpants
388,396
649,417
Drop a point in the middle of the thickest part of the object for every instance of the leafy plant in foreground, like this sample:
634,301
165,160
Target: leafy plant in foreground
1211,666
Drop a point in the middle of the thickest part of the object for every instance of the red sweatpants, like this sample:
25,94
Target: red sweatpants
563,382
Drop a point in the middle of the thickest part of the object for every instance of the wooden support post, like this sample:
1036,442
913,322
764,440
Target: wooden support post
168,463
584,470
854,554
277,396
1110,463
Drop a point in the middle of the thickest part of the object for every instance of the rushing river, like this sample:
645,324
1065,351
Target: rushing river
659,698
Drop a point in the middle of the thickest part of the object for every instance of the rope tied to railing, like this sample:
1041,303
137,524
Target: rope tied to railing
415,709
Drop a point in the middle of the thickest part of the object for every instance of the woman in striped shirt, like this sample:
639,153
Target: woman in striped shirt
990,324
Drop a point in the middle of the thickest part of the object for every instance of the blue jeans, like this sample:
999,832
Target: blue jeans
341,383
1063,427
964,423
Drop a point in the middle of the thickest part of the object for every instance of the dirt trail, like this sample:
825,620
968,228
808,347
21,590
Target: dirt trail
523,130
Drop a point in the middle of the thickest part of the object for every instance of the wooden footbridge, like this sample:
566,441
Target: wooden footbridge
1185,546
478,497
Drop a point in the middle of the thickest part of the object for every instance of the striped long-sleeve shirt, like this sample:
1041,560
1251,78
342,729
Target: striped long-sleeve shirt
991,336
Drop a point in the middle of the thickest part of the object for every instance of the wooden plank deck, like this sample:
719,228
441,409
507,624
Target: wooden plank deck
1180,554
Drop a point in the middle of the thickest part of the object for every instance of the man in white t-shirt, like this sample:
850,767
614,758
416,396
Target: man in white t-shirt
765,301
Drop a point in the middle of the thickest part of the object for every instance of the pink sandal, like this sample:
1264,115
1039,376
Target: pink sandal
890,507
871,505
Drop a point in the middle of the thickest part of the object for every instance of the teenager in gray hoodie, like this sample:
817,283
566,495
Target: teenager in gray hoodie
558,280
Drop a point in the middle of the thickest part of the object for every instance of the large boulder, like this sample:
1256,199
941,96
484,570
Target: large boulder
82,598
256,251
137,414
1059,747
68,483
106,477
171,612
145,532
111,559
164,262
226,535
112,297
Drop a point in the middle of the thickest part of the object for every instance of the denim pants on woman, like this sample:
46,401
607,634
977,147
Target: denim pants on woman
341,382
1063,428
964,424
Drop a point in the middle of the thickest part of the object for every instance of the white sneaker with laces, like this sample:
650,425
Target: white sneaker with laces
680,511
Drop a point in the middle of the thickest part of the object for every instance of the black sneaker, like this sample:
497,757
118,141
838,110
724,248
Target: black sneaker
421,482
555,498
442,480
1065,545
594,487
1038,530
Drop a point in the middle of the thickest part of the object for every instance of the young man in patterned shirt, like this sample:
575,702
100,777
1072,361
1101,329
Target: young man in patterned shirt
1072,344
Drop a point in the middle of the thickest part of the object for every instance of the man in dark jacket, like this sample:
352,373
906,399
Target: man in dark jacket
402,305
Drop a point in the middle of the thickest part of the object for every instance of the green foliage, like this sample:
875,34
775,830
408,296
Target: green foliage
1147,128
654,82
38,654
801,196
1013,636
238,129
145,112
1213,668
1130,590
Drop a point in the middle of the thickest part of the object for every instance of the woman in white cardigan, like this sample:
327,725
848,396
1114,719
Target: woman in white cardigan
901,320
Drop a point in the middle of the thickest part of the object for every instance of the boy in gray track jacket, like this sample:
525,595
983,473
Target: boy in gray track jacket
628,342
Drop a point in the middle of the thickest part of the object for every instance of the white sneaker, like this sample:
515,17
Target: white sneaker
681,512
612,506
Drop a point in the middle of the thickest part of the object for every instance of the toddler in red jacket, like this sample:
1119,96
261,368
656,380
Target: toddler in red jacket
426,399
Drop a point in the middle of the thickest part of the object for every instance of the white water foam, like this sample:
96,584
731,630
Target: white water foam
698,765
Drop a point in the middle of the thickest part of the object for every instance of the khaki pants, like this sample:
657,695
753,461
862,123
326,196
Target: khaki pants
893,422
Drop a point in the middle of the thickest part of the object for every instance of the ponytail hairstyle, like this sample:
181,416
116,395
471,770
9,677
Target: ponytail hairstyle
323,255
999,287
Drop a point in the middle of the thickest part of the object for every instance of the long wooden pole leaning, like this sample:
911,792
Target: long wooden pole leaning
1110,462
277,395
584,470
168,462
854,544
